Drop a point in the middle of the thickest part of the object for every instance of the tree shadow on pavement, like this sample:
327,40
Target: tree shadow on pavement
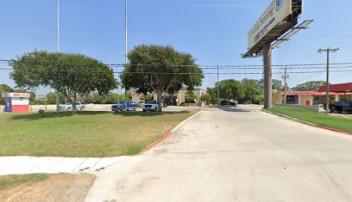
149,114
232,109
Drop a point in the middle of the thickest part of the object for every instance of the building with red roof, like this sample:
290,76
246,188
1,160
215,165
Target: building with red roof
338,92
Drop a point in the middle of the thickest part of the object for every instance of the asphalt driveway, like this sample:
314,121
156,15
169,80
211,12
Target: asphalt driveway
235,154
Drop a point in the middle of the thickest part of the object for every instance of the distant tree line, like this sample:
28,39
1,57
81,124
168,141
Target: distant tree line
246,90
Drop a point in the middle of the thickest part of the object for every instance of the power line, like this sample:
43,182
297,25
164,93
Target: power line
209,66
190,73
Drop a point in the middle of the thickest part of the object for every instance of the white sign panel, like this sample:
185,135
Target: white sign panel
277,12
18,95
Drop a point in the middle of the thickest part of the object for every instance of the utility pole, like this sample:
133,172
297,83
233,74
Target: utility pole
328,51
285,77
58,47
268,82
218,84
126,47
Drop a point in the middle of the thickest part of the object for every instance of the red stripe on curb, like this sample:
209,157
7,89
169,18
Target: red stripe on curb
333,129
159,141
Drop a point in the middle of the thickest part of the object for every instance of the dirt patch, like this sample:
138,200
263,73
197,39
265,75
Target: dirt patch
61,187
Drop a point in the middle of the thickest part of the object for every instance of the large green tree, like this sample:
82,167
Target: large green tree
230,89
310,86
72,75
160,69
252,91
277,84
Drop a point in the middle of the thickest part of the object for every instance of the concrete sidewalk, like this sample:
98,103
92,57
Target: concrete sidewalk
52,165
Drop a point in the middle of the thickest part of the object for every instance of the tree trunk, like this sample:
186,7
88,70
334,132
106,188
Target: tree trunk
74,108
159,94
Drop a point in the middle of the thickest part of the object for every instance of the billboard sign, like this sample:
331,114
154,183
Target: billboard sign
274,15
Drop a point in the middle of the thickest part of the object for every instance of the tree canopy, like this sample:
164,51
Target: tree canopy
160,69
310,86
242,91
69,74
230,89
277,84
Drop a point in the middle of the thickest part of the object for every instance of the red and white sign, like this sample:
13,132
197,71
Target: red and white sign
16,102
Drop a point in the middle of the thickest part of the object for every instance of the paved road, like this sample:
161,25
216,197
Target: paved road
236,155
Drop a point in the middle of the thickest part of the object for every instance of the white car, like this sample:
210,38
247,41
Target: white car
152,106
69,107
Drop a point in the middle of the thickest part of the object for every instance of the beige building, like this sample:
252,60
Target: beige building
179,97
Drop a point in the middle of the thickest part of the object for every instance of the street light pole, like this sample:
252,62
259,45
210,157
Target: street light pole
58,46
328,51
126,46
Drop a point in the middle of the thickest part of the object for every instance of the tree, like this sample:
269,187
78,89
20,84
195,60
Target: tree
71,75
310,86
52,98
190,97
210,97
252,91
161,70
277,84
230,89
4,89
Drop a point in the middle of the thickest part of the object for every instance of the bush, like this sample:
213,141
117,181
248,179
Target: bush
190,97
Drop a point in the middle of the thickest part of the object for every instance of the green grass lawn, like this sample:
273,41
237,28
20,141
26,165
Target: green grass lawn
11,181
85,134
307,115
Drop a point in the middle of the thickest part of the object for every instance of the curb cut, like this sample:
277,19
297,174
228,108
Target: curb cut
308,123
169,134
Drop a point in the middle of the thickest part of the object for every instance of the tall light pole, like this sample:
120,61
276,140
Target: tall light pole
58,45
328,50
126,46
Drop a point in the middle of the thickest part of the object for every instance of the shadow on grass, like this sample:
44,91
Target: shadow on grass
49,115
54,115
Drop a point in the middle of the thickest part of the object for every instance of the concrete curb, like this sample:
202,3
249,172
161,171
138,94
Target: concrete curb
307,123
169,134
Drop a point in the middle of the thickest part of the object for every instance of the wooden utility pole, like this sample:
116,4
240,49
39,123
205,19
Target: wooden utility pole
285,77
218,86
268,83
328,51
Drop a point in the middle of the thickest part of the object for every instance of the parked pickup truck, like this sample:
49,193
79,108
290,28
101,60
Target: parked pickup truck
69,106
339,107
152,106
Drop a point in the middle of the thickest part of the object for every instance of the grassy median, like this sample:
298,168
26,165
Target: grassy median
307,115
84,134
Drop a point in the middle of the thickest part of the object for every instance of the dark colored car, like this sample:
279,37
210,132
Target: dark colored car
131,106
343,106
228,103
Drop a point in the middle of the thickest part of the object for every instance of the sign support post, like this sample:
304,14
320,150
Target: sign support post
276,25
267,76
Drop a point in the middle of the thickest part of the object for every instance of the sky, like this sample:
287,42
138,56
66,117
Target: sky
213,31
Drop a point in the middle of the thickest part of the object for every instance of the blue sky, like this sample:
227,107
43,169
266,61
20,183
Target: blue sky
214,32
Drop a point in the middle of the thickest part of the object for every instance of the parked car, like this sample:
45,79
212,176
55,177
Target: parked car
228,103
121,106
152,106
248,102
343,106
69,106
